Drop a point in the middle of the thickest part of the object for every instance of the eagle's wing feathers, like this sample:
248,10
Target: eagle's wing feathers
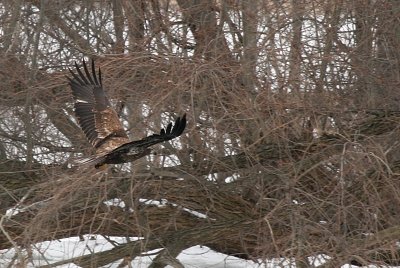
166,134
98,120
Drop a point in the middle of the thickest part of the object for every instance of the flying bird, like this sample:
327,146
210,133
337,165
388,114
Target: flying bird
101,124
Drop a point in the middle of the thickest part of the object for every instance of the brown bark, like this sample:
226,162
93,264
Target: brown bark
210,42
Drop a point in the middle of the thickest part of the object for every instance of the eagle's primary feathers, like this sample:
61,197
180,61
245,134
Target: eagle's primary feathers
101,124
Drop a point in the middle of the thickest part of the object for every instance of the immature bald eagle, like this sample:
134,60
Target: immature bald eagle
102,127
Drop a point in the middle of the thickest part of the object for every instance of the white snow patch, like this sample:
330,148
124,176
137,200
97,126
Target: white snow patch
195,257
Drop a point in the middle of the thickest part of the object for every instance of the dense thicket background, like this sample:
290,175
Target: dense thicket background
291,148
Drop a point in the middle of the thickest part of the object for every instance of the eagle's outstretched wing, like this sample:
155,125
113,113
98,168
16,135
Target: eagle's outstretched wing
169,133
98,120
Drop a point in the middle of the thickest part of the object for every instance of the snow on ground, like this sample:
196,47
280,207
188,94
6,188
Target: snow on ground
195,257
54,251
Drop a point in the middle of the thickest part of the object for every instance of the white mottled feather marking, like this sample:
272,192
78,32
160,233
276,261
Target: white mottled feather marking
81,101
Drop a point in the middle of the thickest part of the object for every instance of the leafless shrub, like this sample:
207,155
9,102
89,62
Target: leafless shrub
291,149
